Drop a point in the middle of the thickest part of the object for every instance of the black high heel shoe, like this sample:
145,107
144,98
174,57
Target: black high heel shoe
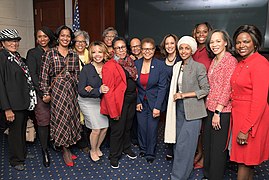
46,158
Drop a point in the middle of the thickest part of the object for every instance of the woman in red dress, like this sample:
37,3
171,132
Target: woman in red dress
200,33
250,110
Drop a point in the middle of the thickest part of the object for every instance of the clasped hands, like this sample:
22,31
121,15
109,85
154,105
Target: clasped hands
178,96
103,88
46,98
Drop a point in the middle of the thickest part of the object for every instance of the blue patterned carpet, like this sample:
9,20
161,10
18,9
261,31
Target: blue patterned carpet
86,169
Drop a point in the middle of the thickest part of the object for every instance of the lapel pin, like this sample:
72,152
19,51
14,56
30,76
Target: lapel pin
152,67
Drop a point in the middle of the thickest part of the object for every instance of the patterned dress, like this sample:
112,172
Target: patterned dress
64,122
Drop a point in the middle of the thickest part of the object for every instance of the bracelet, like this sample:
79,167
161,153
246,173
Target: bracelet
217,112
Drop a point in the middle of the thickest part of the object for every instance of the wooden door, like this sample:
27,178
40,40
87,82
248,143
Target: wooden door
96,16
50,13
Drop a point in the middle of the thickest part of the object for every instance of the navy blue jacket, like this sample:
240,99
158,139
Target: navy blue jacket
156,86
89,77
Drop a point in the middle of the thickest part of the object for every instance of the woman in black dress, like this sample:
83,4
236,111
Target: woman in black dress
45,40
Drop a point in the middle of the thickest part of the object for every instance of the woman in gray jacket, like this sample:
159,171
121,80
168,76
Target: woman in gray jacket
186,107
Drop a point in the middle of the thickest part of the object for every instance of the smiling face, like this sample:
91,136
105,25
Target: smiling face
148,50
80,44
184,51
244,45
109,38
170,45
64,38
201,33
217,43
135,45
120,49
11,46
97,54
42,39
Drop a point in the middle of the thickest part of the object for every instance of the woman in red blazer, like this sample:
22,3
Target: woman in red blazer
250,110
120,75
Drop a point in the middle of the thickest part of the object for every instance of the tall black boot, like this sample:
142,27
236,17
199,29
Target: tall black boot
46,158
43,133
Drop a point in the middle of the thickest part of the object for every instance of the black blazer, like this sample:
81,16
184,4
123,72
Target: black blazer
89,77
34,61
14,91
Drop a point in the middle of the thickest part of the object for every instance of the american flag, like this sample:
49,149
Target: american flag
76,23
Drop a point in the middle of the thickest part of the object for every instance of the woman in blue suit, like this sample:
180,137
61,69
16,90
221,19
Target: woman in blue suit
151,85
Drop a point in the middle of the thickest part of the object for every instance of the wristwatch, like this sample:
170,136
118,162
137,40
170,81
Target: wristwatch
217,112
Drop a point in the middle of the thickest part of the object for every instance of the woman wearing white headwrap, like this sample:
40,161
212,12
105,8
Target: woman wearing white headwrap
185,108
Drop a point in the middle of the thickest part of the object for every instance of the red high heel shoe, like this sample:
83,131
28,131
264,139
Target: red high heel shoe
70,163
73,157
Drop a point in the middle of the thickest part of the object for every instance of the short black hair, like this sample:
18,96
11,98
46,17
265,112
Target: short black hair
118,39
254,33
59,29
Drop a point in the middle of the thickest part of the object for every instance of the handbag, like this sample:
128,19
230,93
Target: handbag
30,131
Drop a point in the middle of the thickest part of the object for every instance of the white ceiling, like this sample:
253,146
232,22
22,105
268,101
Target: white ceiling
190,5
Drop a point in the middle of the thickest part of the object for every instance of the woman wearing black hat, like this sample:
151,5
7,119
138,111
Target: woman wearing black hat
58,82
45,40
17,95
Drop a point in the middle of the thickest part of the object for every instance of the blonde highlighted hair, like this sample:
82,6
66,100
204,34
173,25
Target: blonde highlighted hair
104,49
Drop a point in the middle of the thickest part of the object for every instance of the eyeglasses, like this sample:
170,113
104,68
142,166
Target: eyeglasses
110,37
148,49
120,48
81,42
136,47
13,41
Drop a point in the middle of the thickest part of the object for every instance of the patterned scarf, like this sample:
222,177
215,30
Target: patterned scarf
33,98
128,65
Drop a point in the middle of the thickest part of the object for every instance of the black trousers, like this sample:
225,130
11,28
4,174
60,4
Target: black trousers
3,124
120,139
215,154
134,133
17,138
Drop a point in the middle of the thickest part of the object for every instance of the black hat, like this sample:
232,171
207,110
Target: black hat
9,34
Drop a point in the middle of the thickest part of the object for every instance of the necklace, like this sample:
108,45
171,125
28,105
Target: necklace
172,59
98,68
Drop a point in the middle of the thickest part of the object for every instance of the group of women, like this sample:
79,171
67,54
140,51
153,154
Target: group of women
235,106
215,99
